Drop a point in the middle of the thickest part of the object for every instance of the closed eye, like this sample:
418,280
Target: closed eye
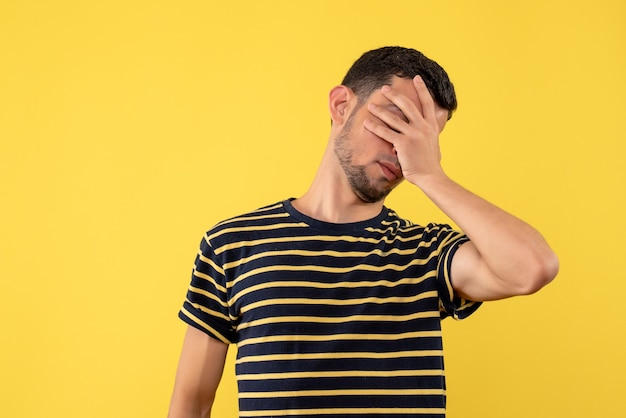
396,110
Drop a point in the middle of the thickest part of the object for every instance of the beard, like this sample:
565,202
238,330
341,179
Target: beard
362,185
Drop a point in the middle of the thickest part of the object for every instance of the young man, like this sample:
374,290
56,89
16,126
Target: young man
333,300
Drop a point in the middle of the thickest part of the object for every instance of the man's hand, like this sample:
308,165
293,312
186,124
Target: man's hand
505,256
413,129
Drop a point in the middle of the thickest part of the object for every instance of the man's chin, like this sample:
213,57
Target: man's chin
372,196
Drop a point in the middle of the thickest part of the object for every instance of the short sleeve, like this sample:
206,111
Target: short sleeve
451,304
206,305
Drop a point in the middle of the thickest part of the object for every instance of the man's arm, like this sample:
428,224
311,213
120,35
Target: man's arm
199,372
506,256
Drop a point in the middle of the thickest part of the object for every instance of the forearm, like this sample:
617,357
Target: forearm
513,250
189,408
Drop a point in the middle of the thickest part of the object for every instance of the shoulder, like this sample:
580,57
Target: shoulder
250,224
271,211
431,230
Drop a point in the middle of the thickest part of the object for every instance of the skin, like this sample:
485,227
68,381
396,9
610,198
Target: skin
373,146
506,256
198,376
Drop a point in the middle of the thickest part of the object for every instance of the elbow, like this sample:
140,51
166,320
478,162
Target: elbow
540,273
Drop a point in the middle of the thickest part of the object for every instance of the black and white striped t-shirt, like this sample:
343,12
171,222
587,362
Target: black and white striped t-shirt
331,320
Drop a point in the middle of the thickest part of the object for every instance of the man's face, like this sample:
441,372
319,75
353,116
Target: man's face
369,162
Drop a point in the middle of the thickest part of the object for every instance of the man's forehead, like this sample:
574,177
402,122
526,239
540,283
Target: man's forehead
405,86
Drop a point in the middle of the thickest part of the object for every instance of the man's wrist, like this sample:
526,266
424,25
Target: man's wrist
430,181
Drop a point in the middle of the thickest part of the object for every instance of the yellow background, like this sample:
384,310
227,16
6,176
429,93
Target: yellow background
128,128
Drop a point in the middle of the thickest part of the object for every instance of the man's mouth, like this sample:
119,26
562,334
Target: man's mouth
390,171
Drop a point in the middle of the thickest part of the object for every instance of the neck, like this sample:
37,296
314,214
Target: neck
330,197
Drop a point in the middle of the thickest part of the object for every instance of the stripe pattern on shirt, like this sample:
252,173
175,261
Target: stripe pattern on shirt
330,320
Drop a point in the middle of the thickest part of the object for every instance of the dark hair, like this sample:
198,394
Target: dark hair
377,67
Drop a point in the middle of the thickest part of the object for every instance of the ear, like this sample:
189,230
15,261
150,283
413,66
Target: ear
339,104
